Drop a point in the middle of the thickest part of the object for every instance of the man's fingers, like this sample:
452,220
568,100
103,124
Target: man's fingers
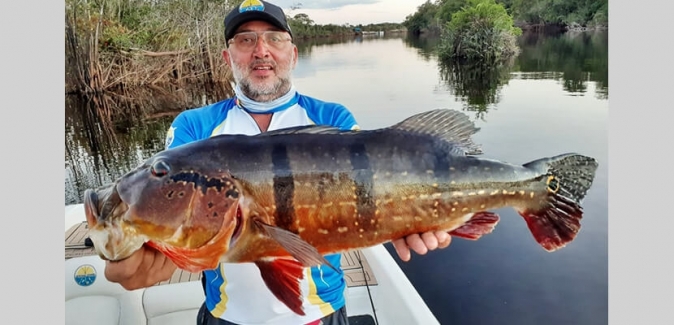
444,239
415,243
401,248
421,243
430,240
143,268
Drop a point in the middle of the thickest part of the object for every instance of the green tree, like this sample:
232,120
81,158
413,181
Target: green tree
482,30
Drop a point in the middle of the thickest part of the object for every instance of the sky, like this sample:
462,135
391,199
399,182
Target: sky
354,12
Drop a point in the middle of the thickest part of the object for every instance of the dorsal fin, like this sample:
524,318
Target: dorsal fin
449,125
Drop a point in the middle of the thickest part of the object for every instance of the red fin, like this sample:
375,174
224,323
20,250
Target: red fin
481,223
282,277
301,250
556,225
190,260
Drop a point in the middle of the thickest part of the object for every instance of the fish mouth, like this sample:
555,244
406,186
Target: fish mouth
105,211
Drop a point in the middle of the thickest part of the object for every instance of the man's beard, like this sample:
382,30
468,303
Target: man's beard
263,91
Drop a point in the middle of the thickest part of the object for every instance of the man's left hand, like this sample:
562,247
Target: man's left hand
421,243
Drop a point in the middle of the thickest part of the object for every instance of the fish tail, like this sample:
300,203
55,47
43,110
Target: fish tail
555,220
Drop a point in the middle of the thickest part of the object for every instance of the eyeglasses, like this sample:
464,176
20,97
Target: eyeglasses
246,41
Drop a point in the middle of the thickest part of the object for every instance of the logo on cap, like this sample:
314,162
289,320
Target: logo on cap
251,5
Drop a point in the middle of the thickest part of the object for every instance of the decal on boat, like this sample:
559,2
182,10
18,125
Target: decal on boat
85,275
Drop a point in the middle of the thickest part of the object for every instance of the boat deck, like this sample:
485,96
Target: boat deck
355,274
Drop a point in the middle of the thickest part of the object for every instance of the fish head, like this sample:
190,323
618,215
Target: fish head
189,213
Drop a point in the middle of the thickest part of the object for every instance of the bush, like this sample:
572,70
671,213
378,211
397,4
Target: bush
482,30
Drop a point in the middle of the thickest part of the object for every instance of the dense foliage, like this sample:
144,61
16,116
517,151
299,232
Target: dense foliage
481,30
525,13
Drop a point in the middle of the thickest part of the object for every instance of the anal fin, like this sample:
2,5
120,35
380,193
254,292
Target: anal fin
282,277
481,223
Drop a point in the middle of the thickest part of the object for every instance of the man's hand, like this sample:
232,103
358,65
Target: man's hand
421,244
142,269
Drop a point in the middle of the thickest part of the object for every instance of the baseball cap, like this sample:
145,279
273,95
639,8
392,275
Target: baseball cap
255,10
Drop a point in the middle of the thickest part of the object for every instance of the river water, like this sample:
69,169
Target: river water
552,99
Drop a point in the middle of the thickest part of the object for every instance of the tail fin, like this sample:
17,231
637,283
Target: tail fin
556,221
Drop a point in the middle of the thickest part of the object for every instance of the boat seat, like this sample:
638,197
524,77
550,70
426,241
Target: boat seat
91,299
172,304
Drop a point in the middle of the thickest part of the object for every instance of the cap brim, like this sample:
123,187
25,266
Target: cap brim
248,16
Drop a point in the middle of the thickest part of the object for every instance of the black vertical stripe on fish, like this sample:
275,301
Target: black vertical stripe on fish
363,180
284,187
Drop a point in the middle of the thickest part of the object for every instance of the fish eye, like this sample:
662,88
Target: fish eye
160,168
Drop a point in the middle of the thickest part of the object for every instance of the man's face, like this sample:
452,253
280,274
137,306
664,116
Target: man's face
263,72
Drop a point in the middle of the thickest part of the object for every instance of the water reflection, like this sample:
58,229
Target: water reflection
478,85
425,44
575,58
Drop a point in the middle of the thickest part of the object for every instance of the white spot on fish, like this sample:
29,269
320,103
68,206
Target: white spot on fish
342,229
531,194
404,173
418,219
322,231
480,192
457,193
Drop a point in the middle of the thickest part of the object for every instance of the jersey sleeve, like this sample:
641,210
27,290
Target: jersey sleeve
180,132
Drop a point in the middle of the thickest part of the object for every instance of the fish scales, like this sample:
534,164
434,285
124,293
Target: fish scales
373,187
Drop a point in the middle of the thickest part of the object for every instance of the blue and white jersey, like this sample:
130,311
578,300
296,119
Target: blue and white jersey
236,291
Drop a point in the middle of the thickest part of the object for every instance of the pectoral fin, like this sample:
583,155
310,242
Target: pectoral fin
282,277
304,252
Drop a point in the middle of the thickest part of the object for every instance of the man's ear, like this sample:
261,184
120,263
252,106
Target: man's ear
228,59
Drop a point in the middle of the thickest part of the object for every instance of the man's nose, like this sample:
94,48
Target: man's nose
261,49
